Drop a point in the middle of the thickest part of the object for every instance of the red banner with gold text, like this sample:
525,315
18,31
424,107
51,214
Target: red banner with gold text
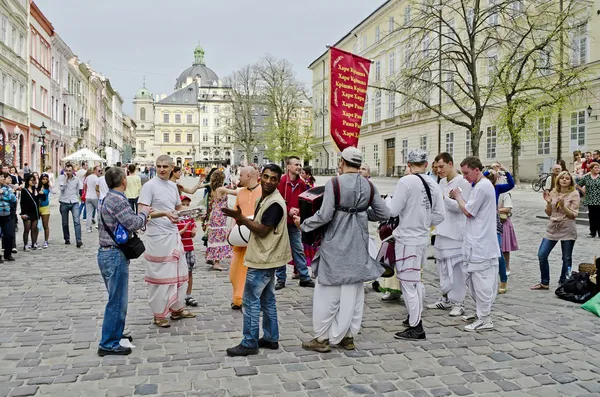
349,78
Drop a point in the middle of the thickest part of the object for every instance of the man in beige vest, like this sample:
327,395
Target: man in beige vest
268,249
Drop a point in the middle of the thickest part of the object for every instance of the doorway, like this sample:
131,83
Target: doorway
390,156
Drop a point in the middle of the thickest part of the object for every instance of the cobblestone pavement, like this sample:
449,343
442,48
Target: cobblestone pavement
52,302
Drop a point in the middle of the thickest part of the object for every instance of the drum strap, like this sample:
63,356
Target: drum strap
352,210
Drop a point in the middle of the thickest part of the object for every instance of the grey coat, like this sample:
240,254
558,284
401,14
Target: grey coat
343,257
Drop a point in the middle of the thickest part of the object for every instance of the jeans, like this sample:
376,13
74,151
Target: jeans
298,255
501,262
65,208
259,295
83,209
115,272
8,234
545,248
92,204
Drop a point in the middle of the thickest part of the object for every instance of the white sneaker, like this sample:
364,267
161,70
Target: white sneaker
440,304
389,296
89,230
457,311
479,325
468,318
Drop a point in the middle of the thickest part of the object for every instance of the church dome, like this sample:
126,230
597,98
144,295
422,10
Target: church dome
198,70
143,93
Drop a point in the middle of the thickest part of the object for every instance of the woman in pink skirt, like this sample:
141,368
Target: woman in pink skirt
218,224
509,238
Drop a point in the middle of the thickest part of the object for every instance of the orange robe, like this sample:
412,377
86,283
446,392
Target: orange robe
246,200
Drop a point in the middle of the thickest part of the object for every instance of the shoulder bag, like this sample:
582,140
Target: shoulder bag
133,248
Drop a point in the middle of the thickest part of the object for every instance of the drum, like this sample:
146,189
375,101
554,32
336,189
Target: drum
239,235
309,203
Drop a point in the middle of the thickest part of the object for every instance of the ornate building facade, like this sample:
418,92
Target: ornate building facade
188,124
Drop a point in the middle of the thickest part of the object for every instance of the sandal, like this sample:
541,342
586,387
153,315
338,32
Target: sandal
217,269
540,287
191,302
182,314
161,322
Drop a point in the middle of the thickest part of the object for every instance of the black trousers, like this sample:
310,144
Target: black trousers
8,234
594,216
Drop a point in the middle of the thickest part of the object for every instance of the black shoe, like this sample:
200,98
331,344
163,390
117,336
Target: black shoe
79,244
307,283
127,335
241,350
279,285
119,351
67,242
268,345
406,322
10,259
236,307
412,333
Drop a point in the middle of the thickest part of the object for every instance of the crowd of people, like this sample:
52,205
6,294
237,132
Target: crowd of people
466,208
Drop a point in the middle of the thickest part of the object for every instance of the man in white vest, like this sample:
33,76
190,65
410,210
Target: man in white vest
268,249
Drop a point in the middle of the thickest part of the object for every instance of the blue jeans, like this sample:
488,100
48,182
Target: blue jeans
567,260
65,208
259,295
501,262
115,272
298,255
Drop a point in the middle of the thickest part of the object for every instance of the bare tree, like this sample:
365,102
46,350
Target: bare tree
533,80
245,101
448,53
282,93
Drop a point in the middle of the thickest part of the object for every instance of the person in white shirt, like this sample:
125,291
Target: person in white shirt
80,173
449,240
418,201
91,196
103,188
480,248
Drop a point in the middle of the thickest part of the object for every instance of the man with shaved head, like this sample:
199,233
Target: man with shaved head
246,199
166,266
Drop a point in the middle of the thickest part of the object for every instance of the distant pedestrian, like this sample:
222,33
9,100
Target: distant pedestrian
591,183
7,199
45,188
92,190
134,186
113,264
30,212
70,186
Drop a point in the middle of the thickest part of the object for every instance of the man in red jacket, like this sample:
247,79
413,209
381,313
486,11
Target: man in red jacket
290,187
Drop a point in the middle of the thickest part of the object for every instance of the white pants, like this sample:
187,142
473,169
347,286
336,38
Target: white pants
452,273
337,311
483,287
409,262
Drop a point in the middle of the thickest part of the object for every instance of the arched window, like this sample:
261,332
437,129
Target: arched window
143,114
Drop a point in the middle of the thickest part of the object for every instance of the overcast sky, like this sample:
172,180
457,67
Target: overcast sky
128,39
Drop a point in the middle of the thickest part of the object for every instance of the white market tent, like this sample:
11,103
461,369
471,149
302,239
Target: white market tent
83,155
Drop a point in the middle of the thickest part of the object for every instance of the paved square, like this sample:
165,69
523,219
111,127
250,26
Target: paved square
52,302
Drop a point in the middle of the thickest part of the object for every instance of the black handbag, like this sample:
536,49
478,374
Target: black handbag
133,248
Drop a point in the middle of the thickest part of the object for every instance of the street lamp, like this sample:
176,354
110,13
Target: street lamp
589,112
41,143
193,154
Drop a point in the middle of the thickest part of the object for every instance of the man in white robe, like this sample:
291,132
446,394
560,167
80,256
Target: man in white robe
480,248
449,240
343,263
166,267
418,201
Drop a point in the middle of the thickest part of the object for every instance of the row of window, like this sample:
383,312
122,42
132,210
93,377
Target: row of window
189,119
217,139
13,93
12,36
40,50
577,139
